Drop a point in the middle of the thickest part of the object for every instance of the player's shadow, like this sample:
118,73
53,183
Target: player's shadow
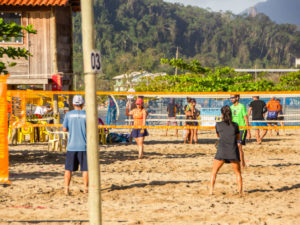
109,157
284,188
152,183
200,141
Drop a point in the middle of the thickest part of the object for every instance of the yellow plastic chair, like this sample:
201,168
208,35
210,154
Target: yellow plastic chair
57,141
26,131
44,134
103,136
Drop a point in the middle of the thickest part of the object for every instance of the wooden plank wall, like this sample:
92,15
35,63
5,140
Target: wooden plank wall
39,43
64,39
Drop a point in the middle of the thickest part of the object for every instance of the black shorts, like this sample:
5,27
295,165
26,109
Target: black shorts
136,133
228,160
74,159
243,135
272,123
280,117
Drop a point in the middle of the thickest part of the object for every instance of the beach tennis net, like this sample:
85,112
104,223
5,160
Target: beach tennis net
36,107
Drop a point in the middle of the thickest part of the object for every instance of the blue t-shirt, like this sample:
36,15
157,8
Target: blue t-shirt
75,122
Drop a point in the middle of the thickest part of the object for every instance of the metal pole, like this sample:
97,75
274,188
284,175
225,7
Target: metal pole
87,17
177,53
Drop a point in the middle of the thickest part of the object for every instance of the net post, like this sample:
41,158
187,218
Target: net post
87,15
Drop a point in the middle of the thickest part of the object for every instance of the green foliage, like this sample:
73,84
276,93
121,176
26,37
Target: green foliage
290,82
193,67
215,80
126,30
8,30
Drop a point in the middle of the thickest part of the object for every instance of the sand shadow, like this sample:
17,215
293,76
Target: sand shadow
34,175
38,157
284,188
277,165
142,185
109,157
200,141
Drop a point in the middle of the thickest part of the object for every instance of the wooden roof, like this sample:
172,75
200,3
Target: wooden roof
73,3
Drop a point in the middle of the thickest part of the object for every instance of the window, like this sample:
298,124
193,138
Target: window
12,17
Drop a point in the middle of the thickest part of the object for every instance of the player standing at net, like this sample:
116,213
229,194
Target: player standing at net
274,108
240,116
139,115
258,108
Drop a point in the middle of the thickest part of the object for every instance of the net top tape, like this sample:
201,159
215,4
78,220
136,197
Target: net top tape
165,94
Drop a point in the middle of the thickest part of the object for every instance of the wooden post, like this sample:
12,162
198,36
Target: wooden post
54,60
87,16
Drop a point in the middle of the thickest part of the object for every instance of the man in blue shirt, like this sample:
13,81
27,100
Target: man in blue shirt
75,124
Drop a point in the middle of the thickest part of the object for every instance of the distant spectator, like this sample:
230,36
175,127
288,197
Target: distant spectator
172,109
280,114
191,114
43,110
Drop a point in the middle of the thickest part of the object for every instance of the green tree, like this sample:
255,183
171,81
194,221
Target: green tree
7,31
219,79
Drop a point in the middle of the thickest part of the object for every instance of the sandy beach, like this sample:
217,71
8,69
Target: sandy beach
169,186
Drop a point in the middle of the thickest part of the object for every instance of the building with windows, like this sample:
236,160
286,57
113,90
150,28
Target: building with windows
128,80
51,47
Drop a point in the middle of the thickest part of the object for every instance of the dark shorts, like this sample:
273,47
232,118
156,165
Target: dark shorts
228,160
74,159
280,117
136,133
272,123
190,123
243,135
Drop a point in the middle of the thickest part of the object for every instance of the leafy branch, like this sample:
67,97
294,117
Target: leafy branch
7,31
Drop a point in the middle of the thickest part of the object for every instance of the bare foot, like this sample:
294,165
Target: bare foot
86,190
67,191
259,141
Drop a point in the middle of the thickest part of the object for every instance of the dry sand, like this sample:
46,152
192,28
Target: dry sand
168,187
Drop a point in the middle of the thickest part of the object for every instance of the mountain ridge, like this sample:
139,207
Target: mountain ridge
136,34
281,11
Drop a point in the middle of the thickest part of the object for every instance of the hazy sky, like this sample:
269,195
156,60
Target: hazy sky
235,6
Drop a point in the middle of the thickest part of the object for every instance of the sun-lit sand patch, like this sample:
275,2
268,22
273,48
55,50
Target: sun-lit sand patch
169,186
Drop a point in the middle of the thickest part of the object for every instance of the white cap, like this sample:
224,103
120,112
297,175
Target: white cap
78,100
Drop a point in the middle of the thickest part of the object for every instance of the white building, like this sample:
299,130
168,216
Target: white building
297,62
128,80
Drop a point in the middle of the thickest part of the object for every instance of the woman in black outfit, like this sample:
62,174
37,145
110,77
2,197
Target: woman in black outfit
227,150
